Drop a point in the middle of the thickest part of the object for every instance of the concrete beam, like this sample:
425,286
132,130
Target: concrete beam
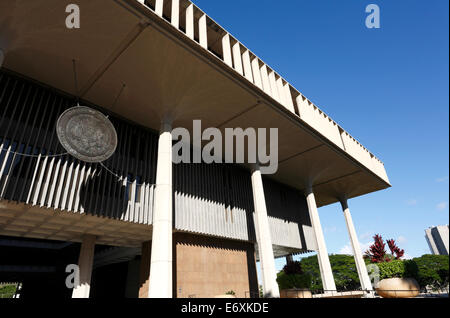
273,86
203,32
247,66
159,6
175,20
289,259
85,262
266,257
280,88
265,80
237,58
190,21
257,73
288,96
226,47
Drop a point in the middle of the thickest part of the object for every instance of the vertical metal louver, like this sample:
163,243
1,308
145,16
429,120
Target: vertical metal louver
289,220
213,199
30,171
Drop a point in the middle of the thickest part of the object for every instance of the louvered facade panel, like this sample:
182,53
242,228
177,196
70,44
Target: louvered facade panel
33,172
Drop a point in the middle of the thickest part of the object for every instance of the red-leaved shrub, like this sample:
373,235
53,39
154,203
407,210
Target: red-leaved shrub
377,251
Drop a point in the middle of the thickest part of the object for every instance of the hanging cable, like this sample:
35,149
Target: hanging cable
118,96
75,80
120,178
33,156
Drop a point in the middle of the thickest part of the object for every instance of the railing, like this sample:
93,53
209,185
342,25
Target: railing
359,293
317,294
199,27
247,294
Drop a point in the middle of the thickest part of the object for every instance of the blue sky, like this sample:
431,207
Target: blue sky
388,87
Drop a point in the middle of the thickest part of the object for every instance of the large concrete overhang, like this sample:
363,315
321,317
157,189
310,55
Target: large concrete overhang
123,42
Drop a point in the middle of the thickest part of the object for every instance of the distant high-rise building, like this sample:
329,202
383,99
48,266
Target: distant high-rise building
437,239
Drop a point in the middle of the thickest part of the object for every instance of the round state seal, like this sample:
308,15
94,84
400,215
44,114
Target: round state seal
86,134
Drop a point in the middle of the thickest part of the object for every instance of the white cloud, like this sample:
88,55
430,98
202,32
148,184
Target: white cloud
348,250
365,246
442,206
365,236
406,256
411,202
442,179
401,239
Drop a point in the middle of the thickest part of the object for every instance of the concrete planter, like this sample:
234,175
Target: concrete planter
225,296
295,293
398,288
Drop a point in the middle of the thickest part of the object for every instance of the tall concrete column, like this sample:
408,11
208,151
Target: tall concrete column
289,259
161,254
266,258
85,262
359,261
322,253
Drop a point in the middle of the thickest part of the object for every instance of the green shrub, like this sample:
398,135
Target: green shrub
344,272
398,268
289,281
433,270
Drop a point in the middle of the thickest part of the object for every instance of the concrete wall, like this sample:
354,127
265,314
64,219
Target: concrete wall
206,267
319,121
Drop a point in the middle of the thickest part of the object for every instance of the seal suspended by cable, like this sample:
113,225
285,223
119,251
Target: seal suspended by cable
86,133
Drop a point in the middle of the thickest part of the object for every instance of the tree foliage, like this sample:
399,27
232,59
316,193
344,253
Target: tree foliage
292,268
300,281
292,276
428,270
433,270
344,272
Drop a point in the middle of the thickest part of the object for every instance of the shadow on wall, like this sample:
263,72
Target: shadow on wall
287,204
104,195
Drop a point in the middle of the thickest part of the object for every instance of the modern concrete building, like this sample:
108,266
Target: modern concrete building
152,228
437,239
